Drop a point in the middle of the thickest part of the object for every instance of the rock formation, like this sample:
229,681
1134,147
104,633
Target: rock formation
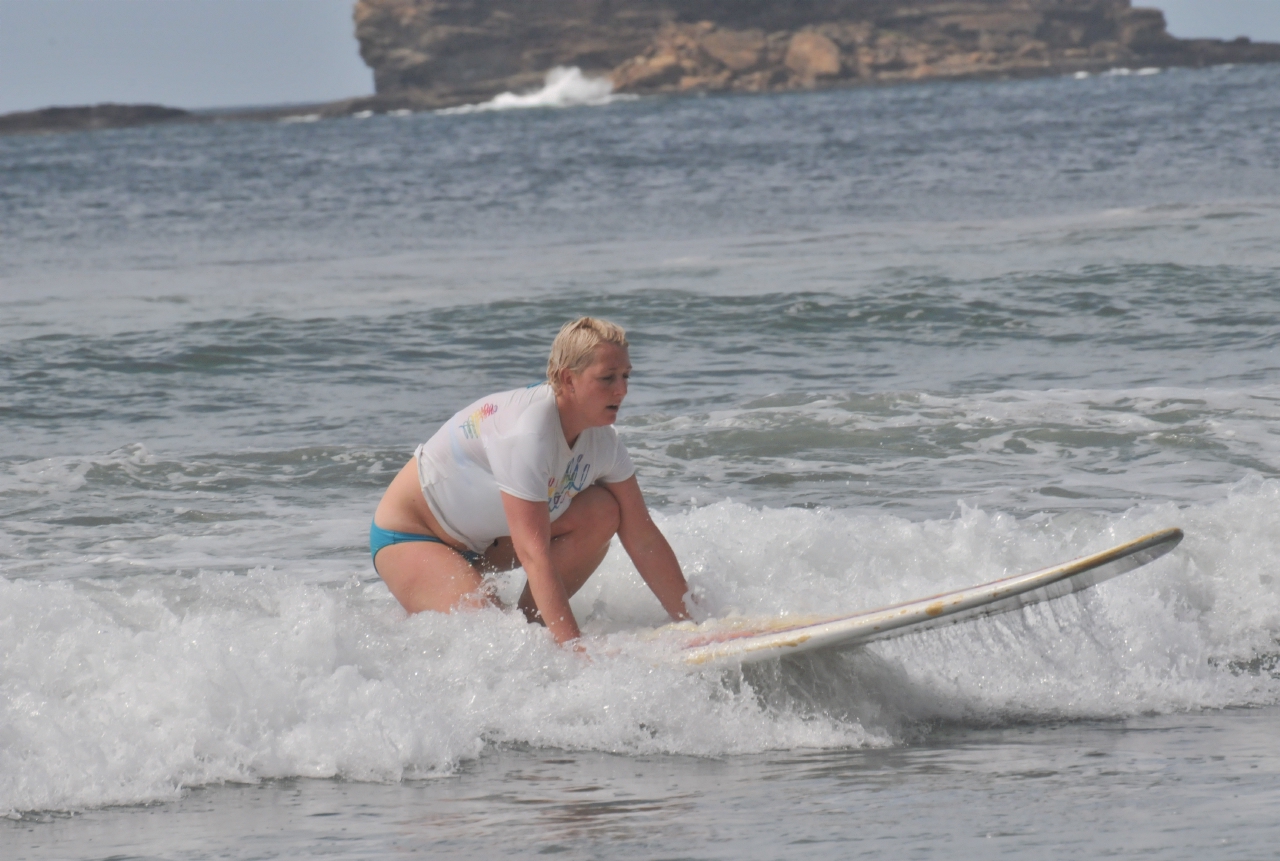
428,53
88,117
439,53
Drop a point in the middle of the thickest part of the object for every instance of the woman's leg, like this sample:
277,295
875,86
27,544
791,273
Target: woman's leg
579,542
424,575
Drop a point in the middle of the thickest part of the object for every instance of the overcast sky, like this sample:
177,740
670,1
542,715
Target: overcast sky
219,53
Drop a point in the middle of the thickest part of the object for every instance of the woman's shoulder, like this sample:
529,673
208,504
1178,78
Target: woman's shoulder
514,401
524,410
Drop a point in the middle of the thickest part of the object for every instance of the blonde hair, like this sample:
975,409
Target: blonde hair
574,348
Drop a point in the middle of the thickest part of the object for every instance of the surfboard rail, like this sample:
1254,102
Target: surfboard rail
1005,595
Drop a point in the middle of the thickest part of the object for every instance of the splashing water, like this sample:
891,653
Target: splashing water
565,87
124,689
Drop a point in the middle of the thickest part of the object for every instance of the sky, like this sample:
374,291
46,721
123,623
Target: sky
230,53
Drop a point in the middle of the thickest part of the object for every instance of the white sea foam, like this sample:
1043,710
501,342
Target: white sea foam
1122,72
565,87
129,688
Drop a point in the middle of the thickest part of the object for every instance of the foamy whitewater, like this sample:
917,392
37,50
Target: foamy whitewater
129,687
565,87
888,342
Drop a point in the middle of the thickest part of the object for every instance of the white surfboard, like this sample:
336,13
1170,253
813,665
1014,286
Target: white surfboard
750,640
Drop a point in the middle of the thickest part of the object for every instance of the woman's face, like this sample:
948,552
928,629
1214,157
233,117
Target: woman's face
597,392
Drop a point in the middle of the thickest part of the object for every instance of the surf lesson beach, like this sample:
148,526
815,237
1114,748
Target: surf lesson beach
888,341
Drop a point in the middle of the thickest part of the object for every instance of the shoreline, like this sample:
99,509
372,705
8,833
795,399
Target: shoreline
110,115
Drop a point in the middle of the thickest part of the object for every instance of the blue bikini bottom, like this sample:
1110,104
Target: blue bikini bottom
379,538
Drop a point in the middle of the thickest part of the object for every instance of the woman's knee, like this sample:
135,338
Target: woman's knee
594,510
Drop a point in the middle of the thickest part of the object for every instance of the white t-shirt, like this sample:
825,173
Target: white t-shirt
511,442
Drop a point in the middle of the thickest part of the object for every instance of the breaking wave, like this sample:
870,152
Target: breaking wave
565,87
129,688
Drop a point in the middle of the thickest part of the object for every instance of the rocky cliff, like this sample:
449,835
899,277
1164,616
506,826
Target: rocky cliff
427,53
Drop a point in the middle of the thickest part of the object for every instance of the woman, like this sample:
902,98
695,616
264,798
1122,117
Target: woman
534,477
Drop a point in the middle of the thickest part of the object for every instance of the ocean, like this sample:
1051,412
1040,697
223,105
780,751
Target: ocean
887,342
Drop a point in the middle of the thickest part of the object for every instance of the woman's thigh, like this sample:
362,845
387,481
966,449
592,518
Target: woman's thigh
424,575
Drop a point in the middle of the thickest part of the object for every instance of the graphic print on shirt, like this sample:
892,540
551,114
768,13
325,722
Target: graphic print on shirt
576,478
471,427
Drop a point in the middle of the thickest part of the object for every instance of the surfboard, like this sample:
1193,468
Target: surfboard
743,640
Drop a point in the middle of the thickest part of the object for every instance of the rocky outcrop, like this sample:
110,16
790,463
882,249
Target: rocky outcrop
440,53
112,116
88,117
427,53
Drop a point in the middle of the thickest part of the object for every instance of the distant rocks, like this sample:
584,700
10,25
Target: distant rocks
704,56
112,116
429,54
107,116
433,53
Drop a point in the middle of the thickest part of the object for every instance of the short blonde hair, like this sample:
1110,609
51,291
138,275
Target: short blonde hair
574,348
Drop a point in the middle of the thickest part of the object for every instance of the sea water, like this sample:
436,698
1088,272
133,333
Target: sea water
887,342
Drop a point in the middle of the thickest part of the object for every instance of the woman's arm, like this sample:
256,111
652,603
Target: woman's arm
648,548
530,524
